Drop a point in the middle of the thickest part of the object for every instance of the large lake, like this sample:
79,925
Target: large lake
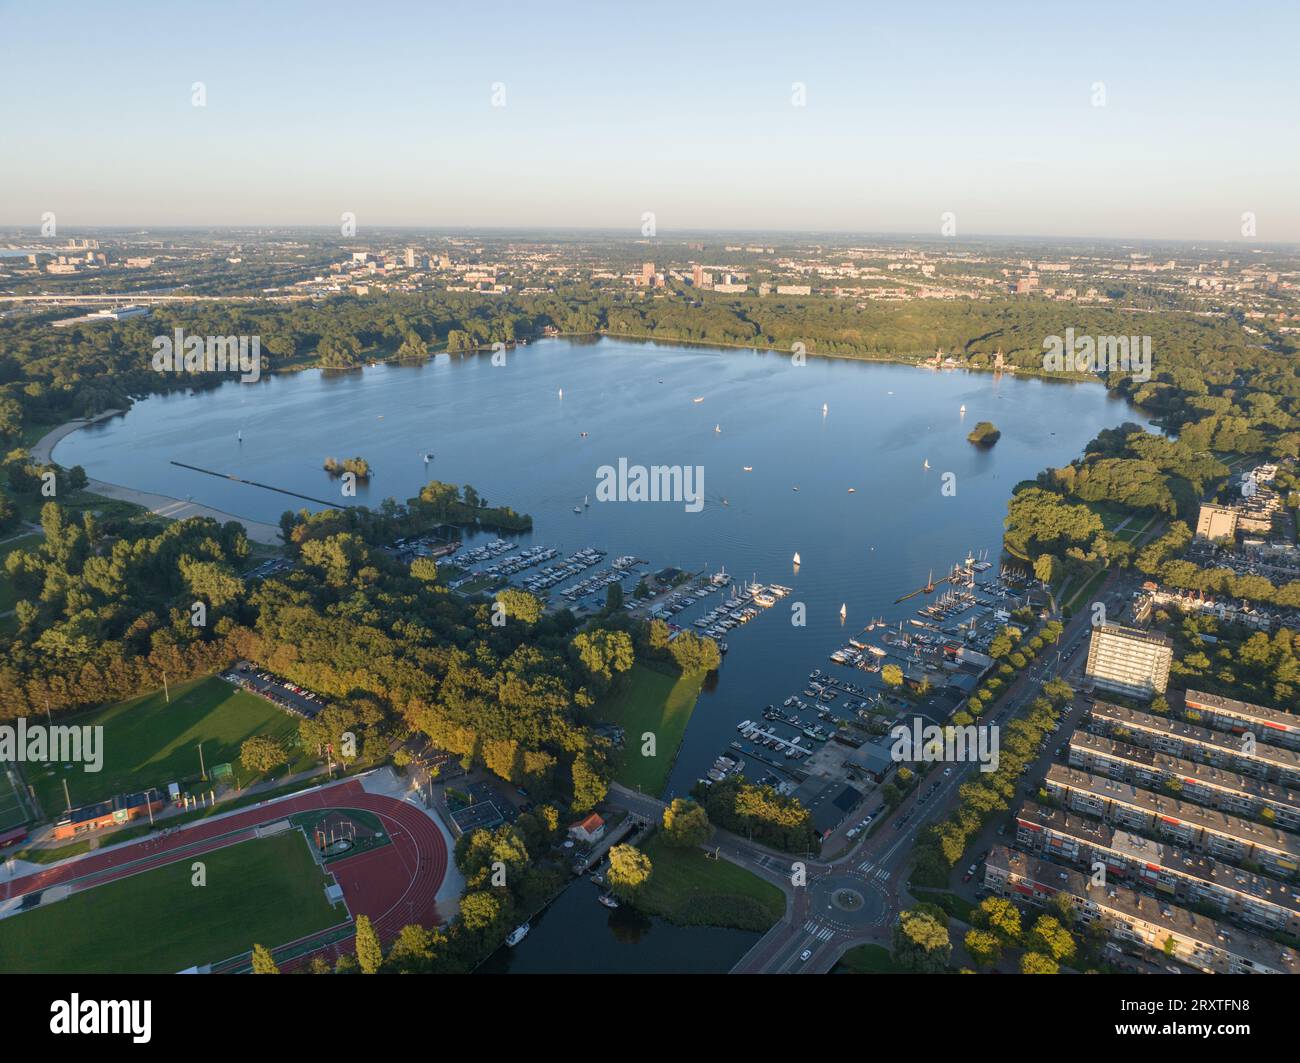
507,430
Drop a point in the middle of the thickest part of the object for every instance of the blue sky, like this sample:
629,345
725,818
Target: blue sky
385,110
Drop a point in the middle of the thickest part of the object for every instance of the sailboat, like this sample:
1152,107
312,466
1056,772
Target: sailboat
428,457
825,408
926,464
561,392
796,557
844,611
240,435
717,428
586,501
963,408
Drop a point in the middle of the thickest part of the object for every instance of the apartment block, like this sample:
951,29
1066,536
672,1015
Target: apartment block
1138,922
1203,784
1190,826
1187,877
1128,661
1240,717
1257,759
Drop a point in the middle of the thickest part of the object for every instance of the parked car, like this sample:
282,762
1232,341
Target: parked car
805,956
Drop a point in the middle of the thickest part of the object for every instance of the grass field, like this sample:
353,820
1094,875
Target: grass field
691,889
656,702
268,892
148,742
1086,590
12,812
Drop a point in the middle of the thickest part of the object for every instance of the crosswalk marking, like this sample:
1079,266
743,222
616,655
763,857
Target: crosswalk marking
821,933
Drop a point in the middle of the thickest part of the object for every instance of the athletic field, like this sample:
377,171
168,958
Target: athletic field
267,891
148,742
12,812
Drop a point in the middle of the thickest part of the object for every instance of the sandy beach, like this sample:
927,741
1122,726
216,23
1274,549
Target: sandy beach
163,505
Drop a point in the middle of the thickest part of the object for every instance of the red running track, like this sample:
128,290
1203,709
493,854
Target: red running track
394,885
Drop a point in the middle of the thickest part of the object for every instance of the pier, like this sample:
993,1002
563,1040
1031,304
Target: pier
253,483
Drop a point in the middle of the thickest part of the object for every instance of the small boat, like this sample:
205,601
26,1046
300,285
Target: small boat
796,558
608,900
749,468
582,435
699,398
844,611
853,490
518,934
577,509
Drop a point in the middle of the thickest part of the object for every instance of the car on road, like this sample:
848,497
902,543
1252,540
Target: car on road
805,956
946,772
970,873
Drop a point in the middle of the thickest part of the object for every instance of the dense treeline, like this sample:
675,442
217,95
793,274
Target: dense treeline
49,375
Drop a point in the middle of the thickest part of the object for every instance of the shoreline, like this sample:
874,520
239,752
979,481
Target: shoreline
161,505
269,534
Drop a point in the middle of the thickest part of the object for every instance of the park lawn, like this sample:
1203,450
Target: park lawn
1086,591
1111,516
867,959
268,891
654,701
691,889
148,742
23,542
955,906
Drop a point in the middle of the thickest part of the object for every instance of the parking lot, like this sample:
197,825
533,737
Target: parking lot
288,696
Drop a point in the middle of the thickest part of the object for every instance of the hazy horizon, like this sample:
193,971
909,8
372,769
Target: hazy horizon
861,122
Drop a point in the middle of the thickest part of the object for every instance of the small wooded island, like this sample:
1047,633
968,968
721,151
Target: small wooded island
984,434
359,467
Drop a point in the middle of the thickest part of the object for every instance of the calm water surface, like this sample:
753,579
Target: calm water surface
508,431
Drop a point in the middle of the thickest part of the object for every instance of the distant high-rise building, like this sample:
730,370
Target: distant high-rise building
410,258
1129,662
1216,522
648,273
697,276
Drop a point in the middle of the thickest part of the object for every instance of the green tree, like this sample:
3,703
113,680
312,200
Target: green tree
629,870
263,963
261,753
686,824
921,943
370,954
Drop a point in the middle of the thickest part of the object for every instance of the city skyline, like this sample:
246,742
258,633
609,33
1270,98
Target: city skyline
896,123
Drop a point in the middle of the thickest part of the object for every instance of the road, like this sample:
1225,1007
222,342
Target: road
854,899
834,905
